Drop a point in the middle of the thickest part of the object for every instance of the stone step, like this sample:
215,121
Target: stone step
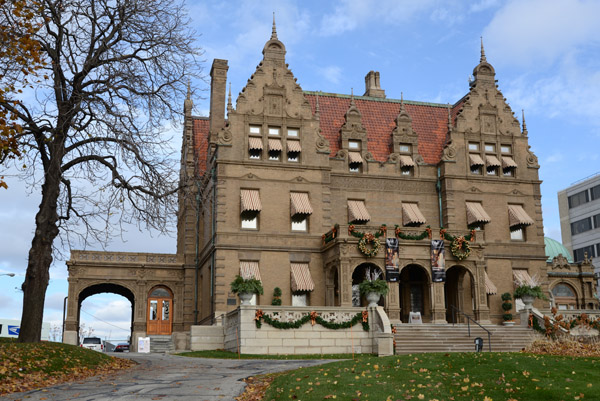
161,344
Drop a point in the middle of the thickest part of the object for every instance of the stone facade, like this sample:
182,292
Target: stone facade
285,169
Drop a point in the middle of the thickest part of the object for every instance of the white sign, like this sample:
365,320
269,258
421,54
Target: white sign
415,317
144,344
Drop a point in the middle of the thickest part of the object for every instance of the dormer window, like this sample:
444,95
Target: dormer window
292,132
274,131
354,145
355,162
473,147
490,148
405,148
255,130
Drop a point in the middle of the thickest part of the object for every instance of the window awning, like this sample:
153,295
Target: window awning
250,201
411,214
476,214
492,161
249,269
354,157
476,160
255,143
300,203
406,161
357,212
275,145
522,277
301,278
517,216
508,162
490,287
294,146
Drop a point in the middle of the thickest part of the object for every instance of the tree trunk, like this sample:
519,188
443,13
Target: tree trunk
40,259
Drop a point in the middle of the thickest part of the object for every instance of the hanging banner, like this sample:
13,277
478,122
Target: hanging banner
438,261
392,260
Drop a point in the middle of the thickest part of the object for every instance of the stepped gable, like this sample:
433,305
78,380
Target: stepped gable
200,132
429,120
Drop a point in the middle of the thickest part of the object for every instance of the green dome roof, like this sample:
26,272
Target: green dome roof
554,248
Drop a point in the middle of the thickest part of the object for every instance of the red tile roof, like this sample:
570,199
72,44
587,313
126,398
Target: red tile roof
429,121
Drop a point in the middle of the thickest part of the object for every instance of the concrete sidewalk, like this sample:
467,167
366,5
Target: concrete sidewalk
167,377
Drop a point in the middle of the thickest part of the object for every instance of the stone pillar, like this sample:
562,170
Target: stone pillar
393,303
438,308
482,309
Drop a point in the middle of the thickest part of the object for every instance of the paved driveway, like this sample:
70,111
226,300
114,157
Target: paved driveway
167,377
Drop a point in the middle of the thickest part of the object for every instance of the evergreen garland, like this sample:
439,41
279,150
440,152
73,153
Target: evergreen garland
331,234
426,233
360,316
535,324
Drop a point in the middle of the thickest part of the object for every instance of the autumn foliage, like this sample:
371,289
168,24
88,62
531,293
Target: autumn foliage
24,367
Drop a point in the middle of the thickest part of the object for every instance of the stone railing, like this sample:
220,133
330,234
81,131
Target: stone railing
240,332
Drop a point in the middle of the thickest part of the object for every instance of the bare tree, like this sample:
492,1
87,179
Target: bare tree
116,72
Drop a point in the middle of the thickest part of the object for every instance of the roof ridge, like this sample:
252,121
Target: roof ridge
376,99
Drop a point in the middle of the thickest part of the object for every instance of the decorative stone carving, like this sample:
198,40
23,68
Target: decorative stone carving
449,152
560,262
322,143
225,137
532,160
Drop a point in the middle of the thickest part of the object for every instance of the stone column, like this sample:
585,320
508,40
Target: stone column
393,303
438,308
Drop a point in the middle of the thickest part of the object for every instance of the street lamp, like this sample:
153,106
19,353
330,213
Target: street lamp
7,274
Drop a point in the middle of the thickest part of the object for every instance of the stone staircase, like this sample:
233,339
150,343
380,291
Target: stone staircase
418,338
161,344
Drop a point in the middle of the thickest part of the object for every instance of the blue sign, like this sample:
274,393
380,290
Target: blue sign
13,330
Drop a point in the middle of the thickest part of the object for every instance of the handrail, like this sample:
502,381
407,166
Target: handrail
469,318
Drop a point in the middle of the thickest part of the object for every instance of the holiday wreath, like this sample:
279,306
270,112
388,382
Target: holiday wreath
368,238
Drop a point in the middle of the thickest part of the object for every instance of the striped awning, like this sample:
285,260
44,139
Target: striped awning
411,214
300,203
517,216
522,277
476,160
492,161
406,161
249,269
294,146
275,145
476,214
255,143
301,278
508,162
354,157
250,201
490,287
357,212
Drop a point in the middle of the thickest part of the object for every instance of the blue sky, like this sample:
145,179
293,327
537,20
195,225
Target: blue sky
547,59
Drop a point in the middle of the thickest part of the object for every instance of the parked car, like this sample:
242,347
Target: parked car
94,343
122,347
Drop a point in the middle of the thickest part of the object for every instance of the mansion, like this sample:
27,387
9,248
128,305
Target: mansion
309,191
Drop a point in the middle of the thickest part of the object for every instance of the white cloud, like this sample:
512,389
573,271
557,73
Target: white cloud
524,32
555,158
331,73
483,5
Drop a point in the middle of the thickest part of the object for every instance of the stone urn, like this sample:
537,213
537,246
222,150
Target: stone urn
373,298
245,297
528,301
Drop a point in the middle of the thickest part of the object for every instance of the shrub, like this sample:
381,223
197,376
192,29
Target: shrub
276,296
251,285
379,286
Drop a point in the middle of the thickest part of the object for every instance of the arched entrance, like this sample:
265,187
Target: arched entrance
565,297
458,289
361,273
105,288
414,293
159,320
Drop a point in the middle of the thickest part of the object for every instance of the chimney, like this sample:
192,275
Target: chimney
218,83
372,86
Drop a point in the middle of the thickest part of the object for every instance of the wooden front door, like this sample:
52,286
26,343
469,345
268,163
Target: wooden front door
160,312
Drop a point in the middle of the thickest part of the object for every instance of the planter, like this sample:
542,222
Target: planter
528,301
508,323
373,298
245,297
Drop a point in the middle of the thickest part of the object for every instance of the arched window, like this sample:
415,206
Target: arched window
564,296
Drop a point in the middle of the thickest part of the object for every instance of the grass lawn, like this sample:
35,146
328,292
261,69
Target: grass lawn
220,354
455,376
27,366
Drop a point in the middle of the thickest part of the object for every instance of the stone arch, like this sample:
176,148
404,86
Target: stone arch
460,292
565,295
99,287
415,291
358,275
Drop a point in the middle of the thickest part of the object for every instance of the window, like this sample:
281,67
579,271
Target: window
249,221
355,168
255,154
300,299
293,157
476,163
473,147
476,170
578,199
405,170
293,132
597,221
293,151
492,164
250,207
490,148
275,148
357,212
274,131
274,154
355,162
405,148
581,226
506,149
300,209
255,129
490,170
508,172
595,192
579,254
517,234
354,145
300,222
255,147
